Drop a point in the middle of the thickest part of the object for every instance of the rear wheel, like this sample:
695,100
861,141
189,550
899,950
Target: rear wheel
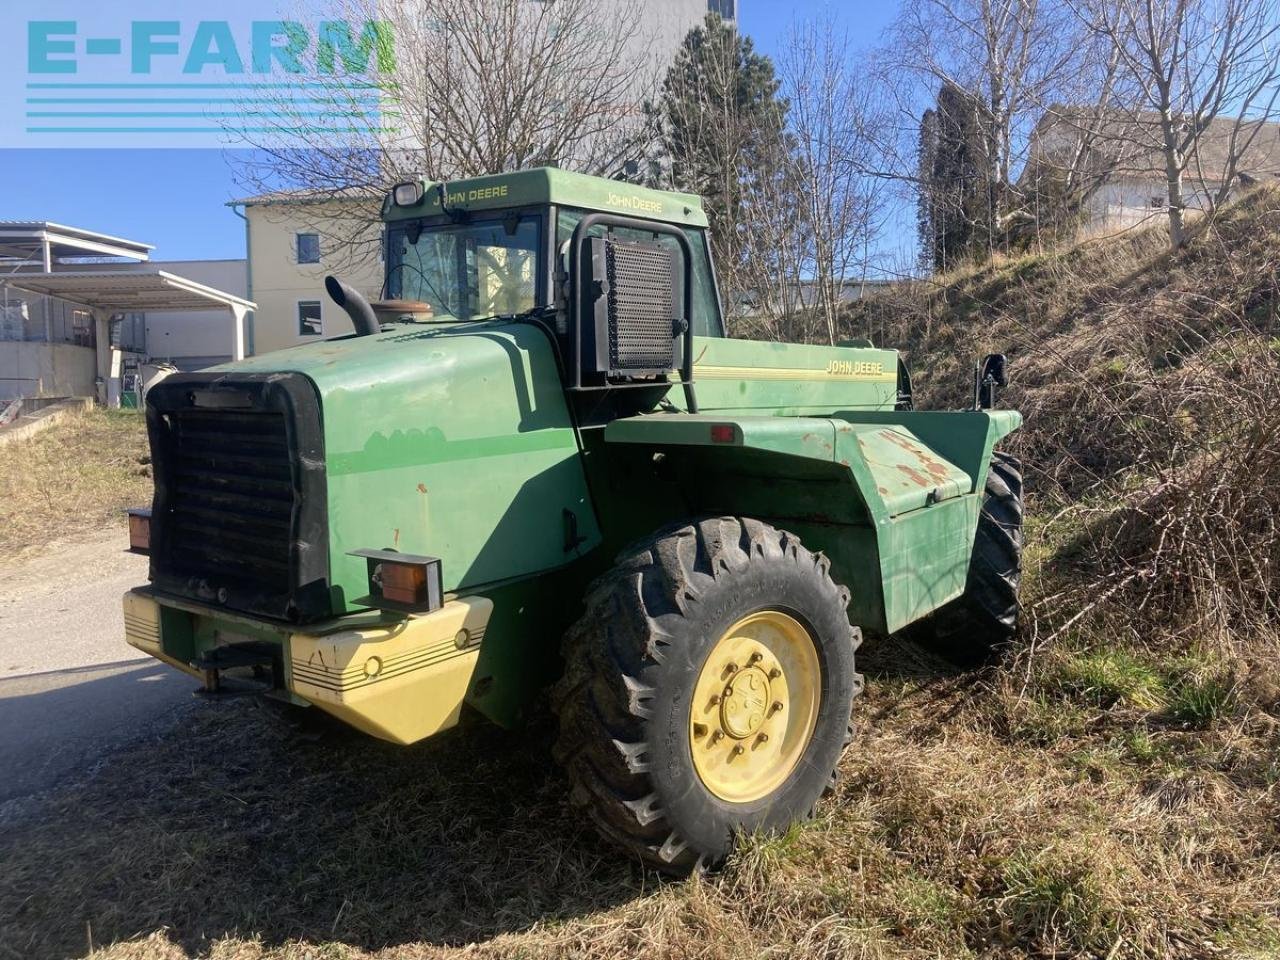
976,625
707,691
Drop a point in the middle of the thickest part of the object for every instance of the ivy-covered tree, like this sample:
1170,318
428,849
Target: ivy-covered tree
958,185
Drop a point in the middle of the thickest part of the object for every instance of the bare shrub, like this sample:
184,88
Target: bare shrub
1149,383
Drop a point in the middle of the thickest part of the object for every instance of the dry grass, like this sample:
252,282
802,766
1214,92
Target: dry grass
973,819
1112,794
1148,381
72,479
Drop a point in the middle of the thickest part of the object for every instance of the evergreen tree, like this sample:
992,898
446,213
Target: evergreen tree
721,126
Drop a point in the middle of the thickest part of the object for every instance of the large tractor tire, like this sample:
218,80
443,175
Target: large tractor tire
981,621
707,691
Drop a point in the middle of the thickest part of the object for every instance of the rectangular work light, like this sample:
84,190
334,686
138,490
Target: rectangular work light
139,530
406,194
404,582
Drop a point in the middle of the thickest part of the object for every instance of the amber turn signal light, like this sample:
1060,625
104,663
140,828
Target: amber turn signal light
139,530
403,582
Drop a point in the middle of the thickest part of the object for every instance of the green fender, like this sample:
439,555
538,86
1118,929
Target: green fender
892,498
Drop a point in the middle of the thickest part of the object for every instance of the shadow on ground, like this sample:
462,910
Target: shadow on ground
248,819
244,822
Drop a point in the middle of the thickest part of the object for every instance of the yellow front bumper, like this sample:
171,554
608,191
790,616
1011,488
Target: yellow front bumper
400,682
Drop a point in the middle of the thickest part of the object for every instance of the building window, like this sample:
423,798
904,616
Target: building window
82,328
308,247
722,7
309,322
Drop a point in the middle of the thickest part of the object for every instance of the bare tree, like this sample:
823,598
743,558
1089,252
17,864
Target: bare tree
1015,59
474,87
1203,78
833,120
1072,151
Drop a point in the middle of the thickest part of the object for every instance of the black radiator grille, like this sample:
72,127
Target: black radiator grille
240,515
232,496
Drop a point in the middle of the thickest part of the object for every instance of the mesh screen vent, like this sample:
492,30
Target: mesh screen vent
642,302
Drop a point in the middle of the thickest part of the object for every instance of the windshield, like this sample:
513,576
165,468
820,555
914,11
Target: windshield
468,270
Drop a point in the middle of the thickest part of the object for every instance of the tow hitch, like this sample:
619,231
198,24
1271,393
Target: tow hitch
262,661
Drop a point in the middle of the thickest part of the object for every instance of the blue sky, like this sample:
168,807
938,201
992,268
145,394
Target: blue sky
176,199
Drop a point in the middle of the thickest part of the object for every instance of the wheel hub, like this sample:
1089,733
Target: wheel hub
746,698
755,706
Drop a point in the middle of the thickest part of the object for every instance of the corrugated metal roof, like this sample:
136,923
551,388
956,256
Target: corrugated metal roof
126,291
27,240
74,233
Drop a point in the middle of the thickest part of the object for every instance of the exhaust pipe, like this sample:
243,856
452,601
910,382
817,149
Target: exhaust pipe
349,299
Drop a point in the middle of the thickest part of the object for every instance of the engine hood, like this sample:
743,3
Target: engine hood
452,441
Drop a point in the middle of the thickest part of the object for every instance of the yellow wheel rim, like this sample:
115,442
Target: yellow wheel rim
755,706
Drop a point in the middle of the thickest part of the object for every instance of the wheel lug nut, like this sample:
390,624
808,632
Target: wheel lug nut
775,706
715,698
717,736
762,738
738,750
756,657
775,673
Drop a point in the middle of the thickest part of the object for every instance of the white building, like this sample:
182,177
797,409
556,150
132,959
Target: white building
293,239
1122,156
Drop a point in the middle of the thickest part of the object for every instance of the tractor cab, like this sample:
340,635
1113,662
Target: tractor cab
622,276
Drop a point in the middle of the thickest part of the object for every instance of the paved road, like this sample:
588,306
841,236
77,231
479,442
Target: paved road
71,689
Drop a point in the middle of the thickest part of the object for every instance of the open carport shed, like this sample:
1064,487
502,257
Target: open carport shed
131,291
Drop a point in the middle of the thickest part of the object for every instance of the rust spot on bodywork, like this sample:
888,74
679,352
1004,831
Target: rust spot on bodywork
934,466
899,440
918,478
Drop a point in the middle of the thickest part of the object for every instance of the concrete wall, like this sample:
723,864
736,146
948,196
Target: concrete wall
45,370
279,282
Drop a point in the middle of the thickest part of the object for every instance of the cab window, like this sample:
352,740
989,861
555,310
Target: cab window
472,270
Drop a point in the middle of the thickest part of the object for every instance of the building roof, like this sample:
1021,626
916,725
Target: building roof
301,196
25,240
1131,146
126,291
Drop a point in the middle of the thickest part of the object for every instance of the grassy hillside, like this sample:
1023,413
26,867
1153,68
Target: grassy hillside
1108,790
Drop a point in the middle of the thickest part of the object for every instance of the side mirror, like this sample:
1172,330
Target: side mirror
989,378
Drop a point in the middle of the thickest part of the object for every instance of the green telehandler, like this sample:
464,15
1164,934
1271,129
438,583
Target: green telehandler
538,462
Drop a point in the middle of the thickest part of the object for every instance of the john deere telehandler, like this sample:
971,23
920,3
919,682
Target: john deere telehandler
539,462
